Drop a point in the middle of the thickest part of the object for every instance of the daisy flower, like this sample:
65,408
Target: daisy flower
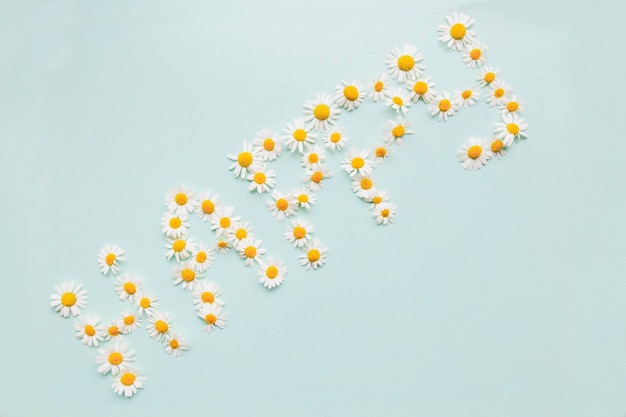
349,96
474,54
486,76
212,316
180,248
456,33
384,213
404,65
114,358
272,274
89,331
201,259
297,135
245,160
421,89
474,154
128,382
497,148
147,303
250,250
128,322
222,223
335,139
282,206
304,197
313,157
108,257
466,98
159,326
358,163
443,106
378,88
512,127
205,206
376,198
499,91
315,255
261,179
175,345
241,231
511,105
69,298
267,145
174,225
126,287
321,112
363,186
299,233
179,200
186,274
207,293
381,152
398,100
113,332
222,246
396,130
316,178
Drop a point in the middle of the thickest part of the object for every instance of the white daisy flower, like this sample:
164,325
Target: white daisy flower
113,332
245,160
174,225
398,100
443,107
175,345
272,273
69,298
126,287
421,89
314,256
159,326
261,179
128,322
487,75
304,198
251,251
114,358
179,200
321,112
363,186
498,92
212,316
222,246
316,178
180,248
456,33
128,382
267,145
474,154
497,148
335,139
512,127
207,293
349,95
222,223
384,213
381,153
313,157
299,233
205,206
297,135
89,331
511,105
147,302
474,54
201,259
241,231
396,130
282,206
186,275
358,163
466,98
378,88
404,65
108,257
376,198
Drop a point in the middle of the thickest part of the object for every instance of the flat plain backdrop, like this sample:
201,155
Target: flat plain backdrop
494,293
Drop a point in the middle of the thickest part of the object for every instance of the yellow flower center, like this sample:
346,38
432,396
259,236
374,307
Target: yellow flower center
113,331
187,275
313,158
299,135
397,101
378,87
225,222
174,344
366,183
499,92
377,200
385,212
268,144
317,177
208,297
161,326
130,288
381,152
457,31
496,145
245,159
201,257
512,128
250,251
222,244
89,330
259,178
179,245
181,199
444,105
299,232
335,137
241,234
282,204
420,88
511,106
175,222
145,302
357,162
474,151
398,131
115,358
127,379
406,63
110,259
351,93
466,94
208,206
271,272
210,318
475,54
303,198
321,112
130,320
313,255
489,77
68,299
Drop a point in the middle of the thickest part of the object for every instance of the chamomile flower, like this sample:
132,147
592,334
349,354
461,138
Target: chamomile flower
313,157
487,75
128,322
376,198
398,100
474,54
421,89
114,358
381,152
207,293
349,95
456,33
316,178
108,258
126,287
404,65
335,139
212,316
180,248
304,198
512,127
497,93
378,87
186,275
250,250
396,130
511,105
261,179
159,326
128,382
314,255
113,332
299,233
241,231
222,246
245,161
179,199
282,206
175,345
147,302
474,154
174,225
201,259
497,148
69,298
358,163
205,205
466,98
363,186
89,331
222,223
272,273
443,107
267,145
384,213
321,113
297,135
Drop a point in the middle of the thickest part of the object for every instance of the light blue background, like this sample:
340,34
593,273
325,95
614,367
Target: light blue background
495,293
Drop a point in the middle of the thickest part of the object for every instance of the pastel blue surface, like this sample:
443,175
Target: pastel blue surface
494,293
